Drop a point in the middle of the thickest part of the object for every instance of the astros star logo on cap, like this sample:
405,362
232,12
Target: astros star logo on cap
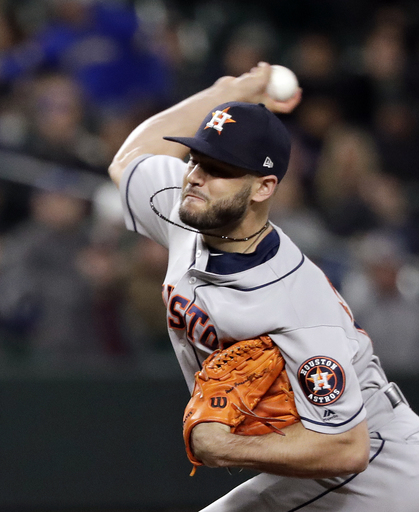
219,117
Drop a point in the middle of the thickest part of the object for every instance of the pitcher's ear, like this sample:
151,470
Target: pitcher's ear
265,187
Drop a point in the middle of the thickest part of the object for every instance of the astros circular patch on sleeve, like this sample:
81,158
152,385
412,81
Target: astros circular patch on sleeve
322,379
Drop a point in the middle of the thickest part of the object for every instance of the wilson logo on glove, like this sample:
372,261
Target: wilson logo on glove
219,401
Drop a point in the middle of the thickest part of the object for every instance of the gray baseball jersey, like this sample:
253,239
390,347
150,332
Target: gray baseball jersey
336,379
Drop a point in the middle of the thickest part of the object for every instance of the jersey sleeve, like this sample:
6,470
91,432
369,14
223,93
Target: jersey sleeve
319,363
143,177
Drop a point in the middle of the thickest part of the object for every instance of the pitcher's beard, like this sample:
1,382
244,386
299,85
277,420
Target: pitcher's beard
223,212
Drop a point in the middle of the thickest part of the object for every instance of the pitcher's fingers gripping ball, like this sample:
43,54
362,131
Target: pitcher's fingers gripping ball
245,387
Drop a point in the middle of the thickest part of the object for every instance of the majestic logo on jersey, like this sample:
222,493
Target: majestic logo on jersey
322,380
219,117
329,414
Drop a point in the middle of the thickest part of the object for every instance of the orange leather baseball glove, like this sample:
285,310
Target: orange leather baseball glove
245,387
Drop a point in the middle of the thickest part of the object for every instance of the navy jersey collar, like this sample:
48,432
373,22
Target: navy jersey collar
224,263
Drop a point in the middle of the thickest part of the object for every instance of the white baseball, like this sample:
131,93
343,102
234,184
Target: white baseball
283,83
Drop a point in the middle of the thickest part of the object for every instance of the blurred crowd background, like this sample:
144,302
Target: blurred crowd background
80,292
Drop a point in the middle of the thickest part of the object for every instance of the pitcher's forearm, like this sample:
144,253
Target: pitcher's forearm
300,453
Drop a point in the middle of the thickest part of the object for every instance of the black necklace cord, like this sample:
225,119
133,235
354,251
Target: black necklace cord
224,237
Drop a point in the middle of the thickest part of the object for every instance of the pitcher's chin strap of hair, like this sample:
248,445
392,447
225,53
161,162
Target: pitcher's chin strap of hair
224,237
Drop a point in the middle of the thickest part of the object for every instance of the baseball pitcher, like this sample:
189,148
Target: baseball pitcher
254,323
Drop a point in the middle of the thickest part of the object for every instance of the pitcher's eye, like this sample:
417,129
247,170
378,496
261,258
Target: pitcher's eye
192,161
216,172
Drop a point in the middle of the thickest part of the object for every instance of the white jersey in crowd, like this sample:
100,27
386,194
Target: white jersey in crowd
336,379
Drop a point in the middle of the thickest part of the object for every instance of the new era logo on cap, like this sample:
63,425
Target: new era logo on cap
249,133
268,163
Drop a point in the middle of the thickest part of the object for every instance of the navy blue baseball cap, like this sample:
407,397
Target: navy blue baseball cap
245,135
